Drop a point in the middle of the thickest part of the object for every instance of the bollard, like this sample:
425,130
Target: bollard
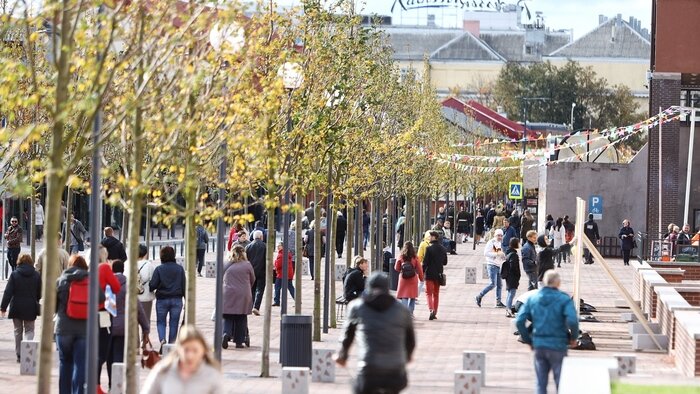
323,366
626,364
469,275
485,271
305,266
340,271
295,380
468,382
118,379
167,348
475,361
29,353
210,269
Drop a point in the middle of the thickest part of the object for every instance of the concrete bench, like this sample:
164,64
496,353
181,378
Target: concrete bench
468,382
29,355
210,269
669,301
295,380
475,361
340,271
626,364
687,354
585,375
323,366
469,275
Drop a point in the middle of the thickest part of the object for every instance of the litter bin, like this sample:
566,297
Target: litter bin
393,275
295,341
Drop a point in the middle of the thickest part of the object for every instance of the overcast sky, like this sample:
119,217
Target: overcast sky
580,15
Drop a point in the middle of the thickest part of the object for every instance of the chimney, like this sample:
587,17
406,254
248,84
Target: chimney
474,27
601,19
431,20
618,20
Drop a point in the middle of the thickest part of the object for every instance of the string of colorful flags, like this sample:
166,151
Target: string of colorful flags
666,116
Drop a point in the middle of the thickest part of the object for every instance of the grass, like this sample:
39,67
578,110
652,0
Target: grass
624,388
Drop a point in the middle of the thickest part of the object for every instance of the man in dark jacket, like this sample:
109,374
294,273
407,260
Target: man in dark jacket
545,259
529,258
509,231
433,265
490,215
385,339
354,279
590,228
257,255
341,227
554,328
259,227
13,236
168,282
626,235
309,212
115,249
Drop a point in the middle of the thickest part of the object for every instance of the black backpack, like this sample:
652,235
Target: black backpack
408,270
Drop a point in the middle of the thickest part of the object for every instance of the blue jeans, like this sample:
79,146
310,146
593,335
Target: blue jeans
278,288
495,277
510,296
546,360
72,364
164,307
410,303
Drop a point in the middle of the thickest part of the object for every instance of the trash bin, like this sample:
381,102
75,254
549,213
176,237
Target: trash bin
295,341
393,275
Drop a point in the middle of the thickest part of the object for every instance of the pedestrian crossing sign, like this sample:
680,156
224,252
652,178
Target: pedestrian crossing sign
515,190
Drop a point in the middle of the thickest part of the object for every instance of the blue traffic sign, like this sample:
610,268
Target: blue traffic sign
515,190
595,204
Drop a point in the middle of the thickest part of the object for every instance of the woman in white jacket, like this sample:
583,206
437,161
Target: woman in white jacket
558,234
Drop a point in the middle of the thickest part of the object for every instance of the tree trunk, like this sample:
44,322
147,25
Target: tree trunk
66,223
318,241
331,244
350,237
269,289
190,255
32,224
298,260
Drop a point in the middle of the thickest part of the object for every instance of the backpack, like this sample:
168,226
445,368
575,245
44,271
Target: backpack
505,269
408,270
77,306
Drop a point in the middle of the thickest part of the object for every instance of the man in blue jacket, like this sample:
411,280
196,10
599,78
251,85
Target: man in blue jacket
509,232
529,258
554,328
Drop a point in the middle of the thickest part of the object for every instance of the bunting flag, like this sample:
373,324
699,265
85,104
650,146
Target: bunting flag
665,116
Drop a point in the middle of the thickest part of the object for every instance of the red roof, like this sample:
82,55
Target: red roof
490,118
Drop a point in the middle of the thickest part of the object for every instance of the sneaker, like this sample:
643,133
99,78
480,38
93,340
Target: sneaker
225,341
499,304
199,274
256,312
276,304
239,346
432,316
509,314
478,301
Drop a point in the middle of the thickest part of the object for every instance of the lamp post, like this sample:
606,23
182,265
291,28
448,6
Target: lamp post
571,125
292,77
229,40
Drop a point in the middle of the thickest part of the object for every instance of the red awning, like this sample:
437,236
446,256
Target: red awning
490,118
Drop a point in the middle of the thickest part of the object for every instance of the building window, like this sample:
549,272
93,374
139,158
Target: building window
528,50
689,98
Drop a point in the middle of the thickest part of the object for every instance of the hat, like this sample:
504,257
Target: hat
378,283
497,232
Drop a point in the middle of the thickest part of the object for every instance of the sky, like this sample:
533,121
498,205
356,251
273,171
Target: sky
579,15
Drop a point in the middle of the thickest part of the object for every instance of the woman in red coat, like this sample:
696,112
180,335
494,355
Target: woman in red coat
410,272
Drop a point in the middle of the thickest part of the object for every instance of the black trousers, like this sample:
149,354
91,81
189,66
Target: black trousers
200,260
258,289
115,354
236,326
104,339
626,256
12,256
372,380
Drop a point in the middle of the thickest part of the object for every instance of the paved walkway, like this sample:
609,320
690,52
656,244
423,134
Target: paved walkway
461,326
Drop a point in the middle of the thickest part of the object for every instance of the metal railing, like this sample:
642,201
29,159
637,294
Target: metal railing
660,249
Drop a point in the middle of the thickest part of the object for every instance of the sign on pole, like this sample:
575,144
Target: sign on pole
515,190
596,206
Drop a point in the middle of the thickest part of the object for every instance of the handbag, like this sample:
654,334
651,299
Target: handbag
305,251
149,356
443,279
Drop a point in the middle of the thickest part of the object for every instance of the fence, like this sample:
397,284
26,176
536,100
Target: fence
659,249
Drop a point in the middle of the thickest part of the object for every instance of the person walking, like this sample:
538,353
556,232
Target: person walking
354,279
385,339
410,272
63,256
279,271
365,229
239,278
115,353
554,328
558,234
341,227
22,295
590,229
106,277
190,368
509,231
202,242
256,253
627,237
433,265
70,325
39,219
526,224
13,236
168,282
510,272
529,257
115,248
77,235
479,227
144,276
545,259
494,257
309,245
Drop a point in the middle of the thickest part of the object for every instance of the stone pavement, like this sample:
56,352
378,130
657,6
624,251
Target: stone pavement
461,325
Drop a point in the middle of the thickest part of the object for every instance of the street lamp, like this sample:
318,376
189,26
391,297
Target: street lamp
292,77
571,125
225,40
